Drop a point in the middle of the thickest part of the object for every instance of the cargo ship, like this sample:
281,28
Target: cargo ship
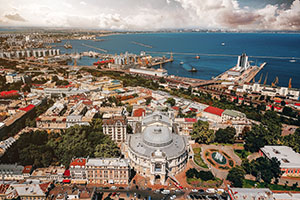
193,69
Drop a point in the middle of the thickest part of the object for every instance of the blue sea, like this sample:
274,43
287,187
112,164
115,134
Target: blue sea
253,44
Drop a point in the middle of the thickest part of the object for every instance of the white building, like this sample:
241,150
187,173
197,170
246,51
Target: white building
116,128
289,159
151,72
156,152
289,93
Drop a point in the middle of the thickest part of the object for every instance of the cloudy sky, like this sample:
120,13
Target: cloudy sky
153,14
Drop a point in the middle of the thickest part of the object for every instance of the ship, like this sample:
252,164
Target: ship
193,69
197,57
67,45
223,43
181,63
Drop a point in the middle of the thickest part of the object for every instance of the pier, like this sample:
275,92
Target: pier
254,72
86,45
141,44
161,62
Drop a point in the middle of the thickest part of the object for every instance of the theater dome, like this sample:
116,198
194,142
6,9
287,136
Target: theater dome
157,136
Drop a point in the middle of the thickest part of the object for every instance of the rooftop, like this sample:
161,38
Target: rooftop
286,155
214,110
107,162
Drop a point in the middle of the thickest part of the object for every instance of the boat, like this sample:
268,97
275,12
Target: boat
223,43
193,69
67,45
181,63
292,61
197,57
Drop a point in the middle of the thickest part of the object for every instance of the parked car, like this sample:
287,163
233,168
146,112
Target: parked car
113,187
194,190
211,190
165,192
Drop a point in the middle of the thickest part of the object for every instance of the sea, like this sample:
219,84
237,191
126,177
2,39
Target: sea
218,52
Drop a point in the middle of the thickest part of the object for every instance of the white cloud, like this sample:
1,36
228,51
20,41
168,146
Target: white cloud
149,15
83,3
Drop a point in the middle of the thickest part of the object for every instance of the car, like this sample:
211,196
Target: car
113,187
113,194
173,197
201,191
220,191
194,190
149,189
106,188
121,188
165,192
211,190
192,196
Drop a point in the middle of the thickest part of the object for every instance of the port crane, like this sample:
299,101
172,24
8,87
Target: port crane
290,83
266,78
259,81
275,81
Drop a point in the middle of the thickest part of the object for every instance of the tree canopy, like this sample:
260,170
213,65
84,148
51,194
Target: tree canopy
201,132
41,149
236,176
226,135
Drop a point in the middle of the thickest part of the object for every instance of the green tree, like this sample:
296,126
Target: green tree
226,135
293,140
266,168
171,101
201,132
236,176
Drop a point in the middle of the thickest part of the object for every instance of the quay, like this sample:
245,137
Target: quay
141,44
86,45
161,62
254,72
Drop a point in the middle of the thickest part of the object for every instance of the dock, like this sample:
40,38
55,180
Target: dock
254,72
86,45
161,62
141,44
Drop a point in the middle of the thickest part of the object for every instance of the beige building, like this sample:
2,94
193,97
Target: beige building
116,128
23,191
156,152
107,171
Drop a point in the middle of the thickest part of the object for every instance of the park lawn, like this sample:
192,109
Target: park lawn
242,153
250,184
197,158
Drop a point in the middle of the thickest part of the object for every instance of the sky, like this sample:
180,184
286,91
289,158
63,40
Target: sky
147,15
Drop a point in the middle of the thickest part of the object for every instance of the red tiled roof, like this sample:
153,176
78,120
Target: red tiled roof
27,108
67,173
9,93
175,107
190,120
214,110
44,186
3,188
113,120
193,109
139,112
27,169
78,162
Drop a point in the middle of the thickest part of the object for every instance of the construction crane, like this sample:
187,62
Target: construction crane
265,82
275,81
259,81
290,83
